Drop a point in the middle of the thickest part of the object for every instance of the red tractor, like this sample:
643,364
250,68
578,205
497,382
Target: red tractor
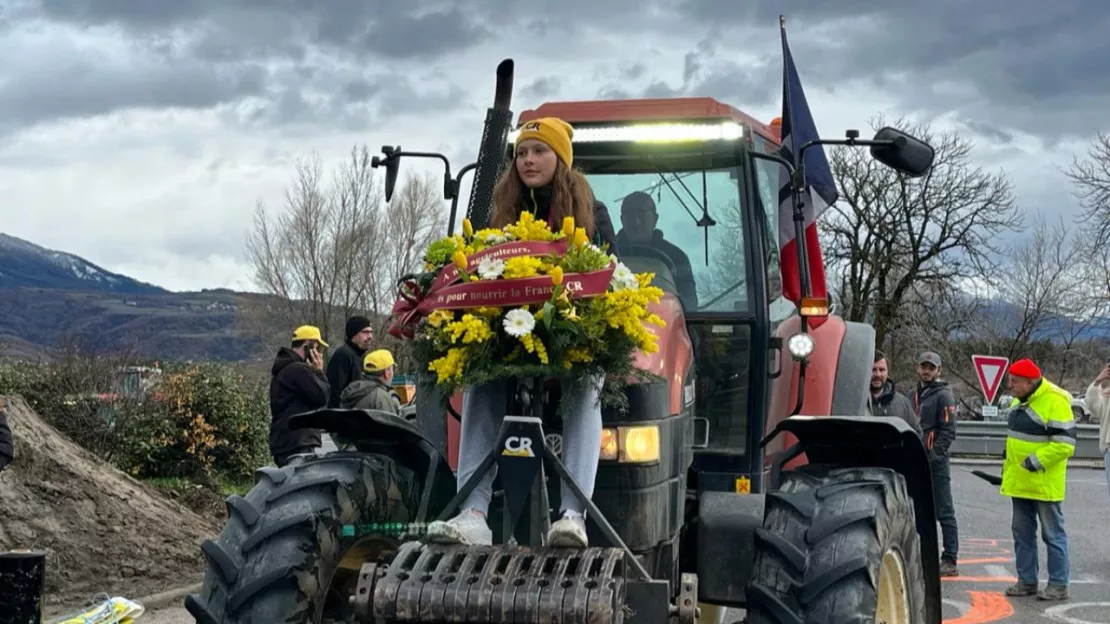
747,475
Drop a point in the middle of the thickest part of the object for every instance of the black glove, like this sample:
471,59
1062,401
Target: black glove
1029,465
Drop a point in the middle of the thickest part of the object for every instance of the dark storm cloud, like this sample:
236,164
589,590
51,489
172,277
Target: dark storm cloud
272,61
542,87
706,72
81,86
1026,58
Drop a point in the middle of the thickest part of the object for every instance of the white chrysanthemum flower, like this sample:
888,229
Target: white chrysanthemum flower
497,239
624,278
519,322
491,268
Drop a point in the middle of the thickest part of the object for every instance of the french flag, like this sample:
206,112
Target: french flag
798,128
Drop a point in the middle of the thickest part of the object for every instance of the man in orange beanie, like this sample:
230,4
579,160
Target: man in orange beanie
1040,440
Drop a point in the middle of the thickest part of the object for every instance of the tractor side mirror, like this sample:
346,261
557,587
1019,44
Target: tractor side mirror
903,152
392,164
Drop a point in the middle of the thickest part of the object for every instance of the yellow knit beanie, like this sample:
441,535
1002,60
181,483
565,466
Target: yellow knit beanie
553,131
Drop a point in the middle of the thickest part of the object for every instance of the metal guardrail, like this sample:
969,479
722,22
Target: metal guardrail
978,437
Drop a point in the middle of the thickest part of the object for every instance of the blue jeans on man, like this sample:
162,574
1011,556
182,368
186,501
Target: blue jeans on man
1027,513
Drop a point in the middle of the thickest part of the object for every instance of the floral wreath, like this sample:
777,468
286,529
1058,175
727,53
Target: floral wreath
527,301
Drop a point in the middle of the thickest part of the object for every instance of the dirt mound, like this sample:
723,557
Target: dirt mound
103,530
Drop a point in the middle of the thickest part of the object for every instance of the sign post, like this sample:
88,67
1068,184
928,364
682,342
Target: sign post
989,369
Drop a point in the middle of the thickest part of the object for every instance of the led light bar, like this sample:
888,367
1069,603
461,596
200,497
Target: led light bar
656,133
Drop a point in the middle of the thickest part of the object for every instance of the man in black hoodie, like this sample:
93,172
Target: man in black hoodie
935,406
639,217
345,365
297,385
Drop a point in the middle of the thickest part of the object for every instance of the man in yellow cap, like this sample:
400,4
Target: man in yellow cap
374,391
297,385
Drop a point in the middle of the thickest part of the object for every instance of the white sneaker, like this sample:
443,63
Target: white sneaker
469,527
568,532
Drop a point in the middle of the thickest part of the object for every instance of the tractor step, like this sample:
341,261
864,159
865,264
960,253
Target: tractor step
437,583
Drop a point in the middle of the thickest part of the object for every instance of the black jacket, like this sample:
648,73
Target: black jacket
538,201
891,403
7,444
294,389
935,406
684,279
344,367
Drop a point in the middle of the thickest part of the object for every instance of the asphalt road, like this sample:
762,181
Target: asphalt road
986,557
986,554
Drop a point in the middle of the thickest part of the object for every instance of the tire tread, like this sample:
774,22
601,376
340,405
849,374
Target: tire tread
818,553
282,540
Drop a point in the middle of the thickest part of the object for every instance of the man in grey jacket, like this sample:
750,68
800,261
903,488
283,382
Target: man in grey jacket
884,401
935,406
374,390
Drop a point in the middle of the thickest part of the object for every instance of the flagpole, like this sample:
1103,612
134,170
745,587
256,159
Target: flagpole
786,86
797,178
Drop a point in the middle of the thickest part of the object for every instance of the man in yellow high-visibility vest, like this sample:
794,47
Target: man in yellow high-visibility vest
1040,440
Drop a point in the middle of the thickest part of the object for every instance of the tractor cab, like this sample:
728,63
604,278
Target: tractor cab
691,206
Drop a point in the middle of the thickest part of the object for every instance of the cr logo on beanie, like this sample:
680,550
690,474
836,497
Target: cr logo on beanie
553,131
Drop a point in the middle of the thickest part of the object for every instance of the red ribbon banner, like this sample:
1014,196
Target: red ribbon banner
445,294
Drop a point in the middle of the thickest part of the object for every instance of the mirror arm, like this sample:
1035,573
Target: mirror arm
455,197
852,140
450,185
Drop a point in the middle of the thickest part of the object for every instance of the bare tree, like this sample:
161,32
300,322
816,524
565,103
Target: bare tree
890,234
1038,283
414,221
1091,176
1042,306
1083,308
337,249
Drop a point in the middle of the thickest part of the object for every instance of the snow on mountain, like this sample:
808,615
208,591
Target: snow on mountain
26,265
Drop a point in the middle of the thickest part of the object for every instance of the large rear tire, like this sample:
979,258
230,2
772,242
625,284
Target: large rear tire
283,555
838,545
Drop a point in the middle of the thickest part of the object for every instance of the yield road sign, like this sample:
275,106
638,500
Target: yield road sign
989,369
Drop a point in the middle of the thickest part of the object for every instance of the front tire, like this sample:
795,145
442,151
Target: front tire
283,555
838,545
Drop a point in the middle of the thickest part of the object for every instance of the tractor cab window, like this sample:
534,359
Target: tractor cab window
685,227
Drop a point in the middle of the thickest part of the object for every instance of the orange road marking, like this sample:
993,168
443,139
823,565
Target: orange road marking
985,607
987,560
980,579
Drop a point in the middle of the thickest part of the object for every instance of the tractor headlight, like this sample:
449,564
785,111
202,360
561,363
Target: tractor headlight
800,346
630,445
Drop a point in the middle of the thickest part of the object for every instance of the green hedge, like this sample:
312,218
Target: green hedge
203,422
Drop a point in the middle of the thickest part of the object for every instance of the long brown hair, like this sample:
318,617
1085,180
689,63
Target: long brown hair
571,196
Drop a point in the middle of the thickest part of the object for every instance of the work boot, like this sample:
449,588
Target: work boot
1053,592
948,568
568,532
469,527
1021,589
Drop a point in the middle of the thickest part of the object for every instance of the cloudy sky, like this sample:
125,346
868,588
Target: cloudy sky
140,133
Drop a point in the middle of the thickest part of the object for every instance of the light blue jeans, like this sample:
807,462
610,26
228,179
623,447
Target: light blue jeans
482,412
1024,524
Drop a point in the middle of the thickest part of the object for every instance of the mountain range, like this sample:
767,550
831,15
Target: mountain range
48,297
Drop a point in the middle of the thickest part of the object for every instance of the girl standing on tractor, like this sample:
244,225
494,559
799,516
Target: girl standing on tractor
541,181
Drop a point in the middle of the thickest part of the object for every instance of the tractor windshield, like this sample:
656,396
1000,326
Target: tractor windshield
687,228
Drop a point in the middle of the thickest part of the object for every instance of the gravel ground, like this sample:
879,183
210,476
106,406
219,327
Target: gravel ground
171,615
